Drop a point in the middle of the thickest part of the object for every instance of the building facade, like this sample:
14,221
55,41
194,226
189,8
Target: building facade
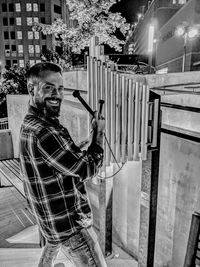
158,13
176,53
18,43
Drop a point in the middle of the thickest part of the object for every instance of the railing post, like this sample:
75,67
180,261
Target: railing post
149,194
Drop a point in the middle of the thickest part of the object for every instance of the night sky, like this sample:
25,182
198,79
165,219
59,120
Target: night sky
129,8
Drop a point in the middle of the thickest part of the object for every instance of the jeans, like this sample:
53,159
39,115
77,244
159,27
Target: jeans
82,249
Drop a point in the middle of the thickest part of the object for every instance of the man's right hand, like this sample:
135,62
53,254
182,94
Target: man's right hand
98,122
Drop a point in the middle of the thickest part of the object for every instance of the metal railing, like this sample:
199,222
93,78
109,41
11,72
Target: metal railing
3,123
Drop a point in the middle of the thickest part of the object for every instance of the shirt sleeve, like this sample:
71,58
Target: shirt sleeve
65,157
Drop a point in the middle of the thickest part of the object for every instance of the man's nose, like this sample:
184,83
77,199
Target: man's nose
56,92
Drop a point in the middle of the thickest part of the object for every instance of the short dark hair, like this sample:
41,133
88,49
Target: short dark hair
37,69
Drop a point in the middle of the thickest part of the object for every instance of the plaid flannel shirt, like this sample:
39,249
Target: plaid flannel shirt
54,170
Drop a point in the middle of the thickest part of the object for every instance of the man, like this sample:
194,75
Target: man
54,170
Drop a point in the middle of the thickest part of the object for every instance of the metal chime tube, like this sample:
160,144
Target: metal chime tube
131,88
143,121
88,79
155,122
124,117
113,112
146,123
92,82
95,100
118,115
137,123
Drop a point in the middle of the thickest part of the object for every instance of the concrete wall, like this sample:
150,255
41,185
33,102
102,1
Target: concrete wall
126,207
75,79
72,116
178,198
179,183
6,145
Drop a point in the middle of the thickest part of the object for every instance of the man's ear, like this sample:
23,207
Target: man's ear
30,89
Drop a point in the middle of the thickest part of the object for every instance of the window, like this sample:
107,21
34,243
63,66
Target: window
12,21
37,49
7,50
30,35
21,63
37,35
38,61
11,7
31,49
12,35
6,35
35,19
18,7
20,49
44,48
18,21
19,35
42,7
14,61
28,7
42,20
4,7
35,7
43,36
32,62
29,21
5,21
8,62
57,9
14,48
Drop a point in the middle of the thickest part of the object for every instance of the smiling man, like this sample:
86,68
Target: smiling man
54,172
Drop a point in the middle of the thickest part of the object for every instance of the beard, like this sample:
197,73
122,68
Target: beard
50,107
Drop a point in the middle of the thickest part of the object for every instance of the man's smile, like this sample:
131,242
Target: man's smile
53,101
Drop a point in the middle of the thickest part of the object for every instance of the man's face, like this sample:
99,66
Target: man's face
48,94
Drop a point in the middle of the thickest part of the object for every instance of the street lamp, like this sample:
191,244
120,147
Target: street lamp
186,32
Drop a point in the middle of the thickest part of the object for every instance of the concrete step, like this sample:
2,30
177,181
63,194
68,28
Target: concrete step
22,257
29,235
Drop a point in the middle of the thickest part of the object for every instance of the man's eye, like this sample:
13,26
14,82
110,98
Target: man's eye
50,88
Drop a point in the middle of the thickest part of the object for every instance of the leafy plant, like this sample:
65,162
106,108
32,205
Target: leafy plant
13,81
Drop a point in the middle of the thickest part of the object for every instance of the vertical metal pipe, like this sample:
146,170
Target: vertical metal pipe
143,126
118,116
146,123
107,119
131,88
91,81
137,123
155,122
124,117
95,100
88,80
113,113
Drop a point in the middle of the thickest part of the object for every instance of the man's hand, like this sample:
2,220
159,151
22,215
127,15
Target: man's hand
98,122
98,125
